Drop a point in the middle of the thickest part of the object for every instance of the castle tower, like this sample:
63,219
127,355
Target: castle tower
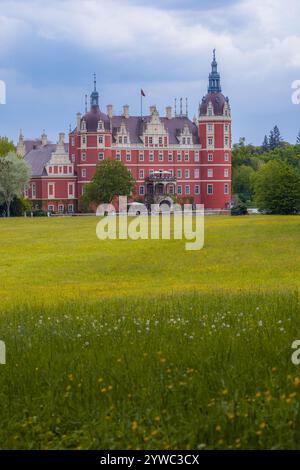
21,146
215,139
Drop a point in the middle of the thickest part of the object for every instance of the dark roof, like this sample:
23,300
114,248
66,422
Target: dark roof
217,99
135,125
37,158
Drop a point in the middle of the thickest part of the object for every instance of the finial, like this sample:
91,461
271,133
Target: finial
94,82
214,54
85,96
175,106
180,106
186,107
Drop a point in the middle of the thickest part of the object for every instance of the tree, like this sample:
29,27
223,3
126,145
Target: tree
265,144
6,146
275,139
242,183
110,179
14,175
277,188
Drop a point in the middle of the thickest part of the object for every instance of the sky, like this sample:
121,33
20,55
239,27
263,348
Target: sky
49,51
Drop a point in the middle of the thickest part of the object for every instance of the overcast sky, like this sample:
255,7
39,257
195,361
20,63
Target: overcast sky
49,51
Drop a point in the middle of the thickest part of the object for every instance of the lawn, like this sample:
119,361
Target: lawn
141,344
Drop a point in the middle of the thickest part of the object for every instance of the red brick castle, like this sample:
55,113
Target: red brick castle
170,157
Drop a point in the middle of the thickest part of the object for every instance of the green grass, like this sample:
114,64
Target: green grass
124,344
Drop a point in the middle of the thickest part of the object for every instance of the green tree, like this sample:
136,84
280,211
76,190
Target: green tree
6,146
265,144
277,188
14,175
110,179
242,182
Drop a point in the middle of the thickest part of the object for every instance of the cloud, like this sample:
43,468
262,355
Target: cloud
166,46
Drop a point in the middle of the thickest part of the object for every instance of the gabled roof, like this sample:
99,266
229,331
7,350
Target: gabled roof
38,157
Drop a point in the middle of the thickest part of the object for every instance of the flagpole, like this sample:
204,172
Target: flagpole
141,105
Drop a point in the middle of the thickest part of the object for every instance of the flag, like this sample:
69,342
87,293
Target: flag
142,92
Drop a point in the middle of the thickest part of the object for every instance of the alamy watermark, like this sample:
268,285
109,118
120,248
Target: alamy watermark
157,221
2,92
2,353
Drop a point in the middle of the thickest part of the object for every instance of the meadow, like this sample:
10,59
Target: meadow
141,344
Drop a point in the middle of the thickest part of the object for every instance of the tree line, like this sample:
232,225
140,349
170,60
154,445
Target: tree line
267,176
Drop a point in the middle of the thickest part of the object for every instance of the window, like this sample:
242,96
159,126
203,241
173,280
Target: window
170,157
83,141
70,169
179,173
100,156
118,156
50,169
151,172
125,139
226,157
187,189
50,208
161,157
51,191
100,139
197,189
71,190
188,140
70,207
33,190
226,173
196,173
183,140
150,140
179,189
179,157
171,172
210,141
120,139
187,173
209,111
226,128
196,157
60,208
210,189
141,174
151,157
226,141
73,158
210,173
83,172
171,189
210,128
226,188
83,157
186,157
142,190
128,157
210,157
141,156
160,140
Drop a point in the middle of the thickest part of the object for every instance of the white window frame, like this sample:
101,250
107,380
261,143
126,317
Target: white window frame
210,173
52,185
210,185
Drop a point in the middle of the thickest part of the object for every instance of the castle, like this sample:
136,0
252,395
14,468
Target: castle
170,157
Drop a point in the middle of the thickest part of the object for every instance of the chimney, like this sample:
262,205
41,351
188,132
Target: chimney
109,111
61,140
126,111
44,138
78,121
169,112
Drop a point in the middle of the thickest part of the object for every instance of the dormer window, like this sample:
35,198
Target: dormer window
83,125
125,139
120,139
100,125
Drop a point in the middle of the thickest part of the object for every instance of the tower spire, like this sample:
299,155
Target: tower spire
95,95
214,85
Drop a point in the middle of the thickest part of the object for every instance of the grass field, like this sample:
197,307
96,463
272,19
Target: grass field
141,344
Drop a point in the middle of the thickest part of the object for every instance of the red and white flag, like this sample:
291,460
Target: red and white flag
142,92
